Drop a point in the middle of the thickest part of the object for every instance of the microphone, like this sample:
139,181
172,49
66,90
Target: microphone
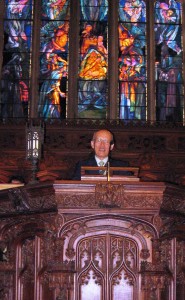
108,171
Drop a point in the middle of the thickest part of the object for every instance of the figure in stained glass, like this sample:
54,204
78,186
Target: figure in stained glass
15,69
14,89
132,10
126,40
51,94
54,46
54,9
89,40
16,25
168,90
132,88
168,61
93,68
167,24
132,43
100,46
93,59
54,37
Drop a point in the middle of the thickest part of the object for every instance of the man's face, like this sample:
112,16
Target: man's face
101,143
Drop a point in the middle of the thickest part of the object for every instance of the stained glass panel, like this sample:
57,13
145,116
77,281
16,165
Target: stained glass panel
15,81
168,62
132,59
93,61
54,59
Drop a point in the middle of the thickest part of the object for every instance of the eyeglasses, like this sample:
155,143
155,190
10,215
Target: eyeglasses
100,140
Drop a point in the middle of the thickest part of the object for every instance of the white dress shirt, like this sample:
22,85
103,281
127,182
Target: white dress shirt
98,160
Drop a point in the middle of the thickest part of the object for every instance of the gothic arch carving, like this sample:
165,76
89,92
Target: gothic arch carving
107,264
140,230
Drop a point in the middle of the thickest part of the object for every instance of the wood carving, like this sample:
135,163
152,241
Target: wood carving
109,195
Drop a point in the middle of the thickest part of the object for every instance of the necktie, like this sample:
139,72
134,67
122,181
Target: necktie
101,164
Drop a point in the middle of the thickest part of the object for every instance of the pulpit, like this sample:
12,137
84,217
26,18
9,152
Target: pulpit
112,236
92,239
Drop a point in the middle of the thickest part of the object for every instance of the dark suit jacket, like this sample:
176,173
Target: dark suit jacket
91,162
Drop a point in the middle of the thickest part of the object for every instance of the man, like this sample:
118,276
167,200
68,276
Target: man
102,143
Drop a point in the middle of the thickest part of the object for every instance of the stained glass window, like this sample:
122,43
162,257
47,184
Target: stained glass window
53,59
93,59
109,60
168,61
15,96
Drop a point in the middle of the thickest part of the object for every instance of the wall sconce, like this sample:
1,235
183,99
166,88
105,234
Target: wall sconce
34,143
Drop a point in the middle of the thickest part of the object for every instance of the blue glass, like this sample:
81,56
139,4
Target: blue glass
93,10
92,97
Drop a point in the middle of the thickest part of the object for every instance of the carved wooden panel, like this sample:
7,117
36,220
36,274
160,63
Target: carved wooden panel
26,270
107,268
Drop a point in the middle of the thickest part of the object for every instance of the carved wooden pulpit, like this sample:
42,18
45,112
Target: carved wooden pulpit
92,240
